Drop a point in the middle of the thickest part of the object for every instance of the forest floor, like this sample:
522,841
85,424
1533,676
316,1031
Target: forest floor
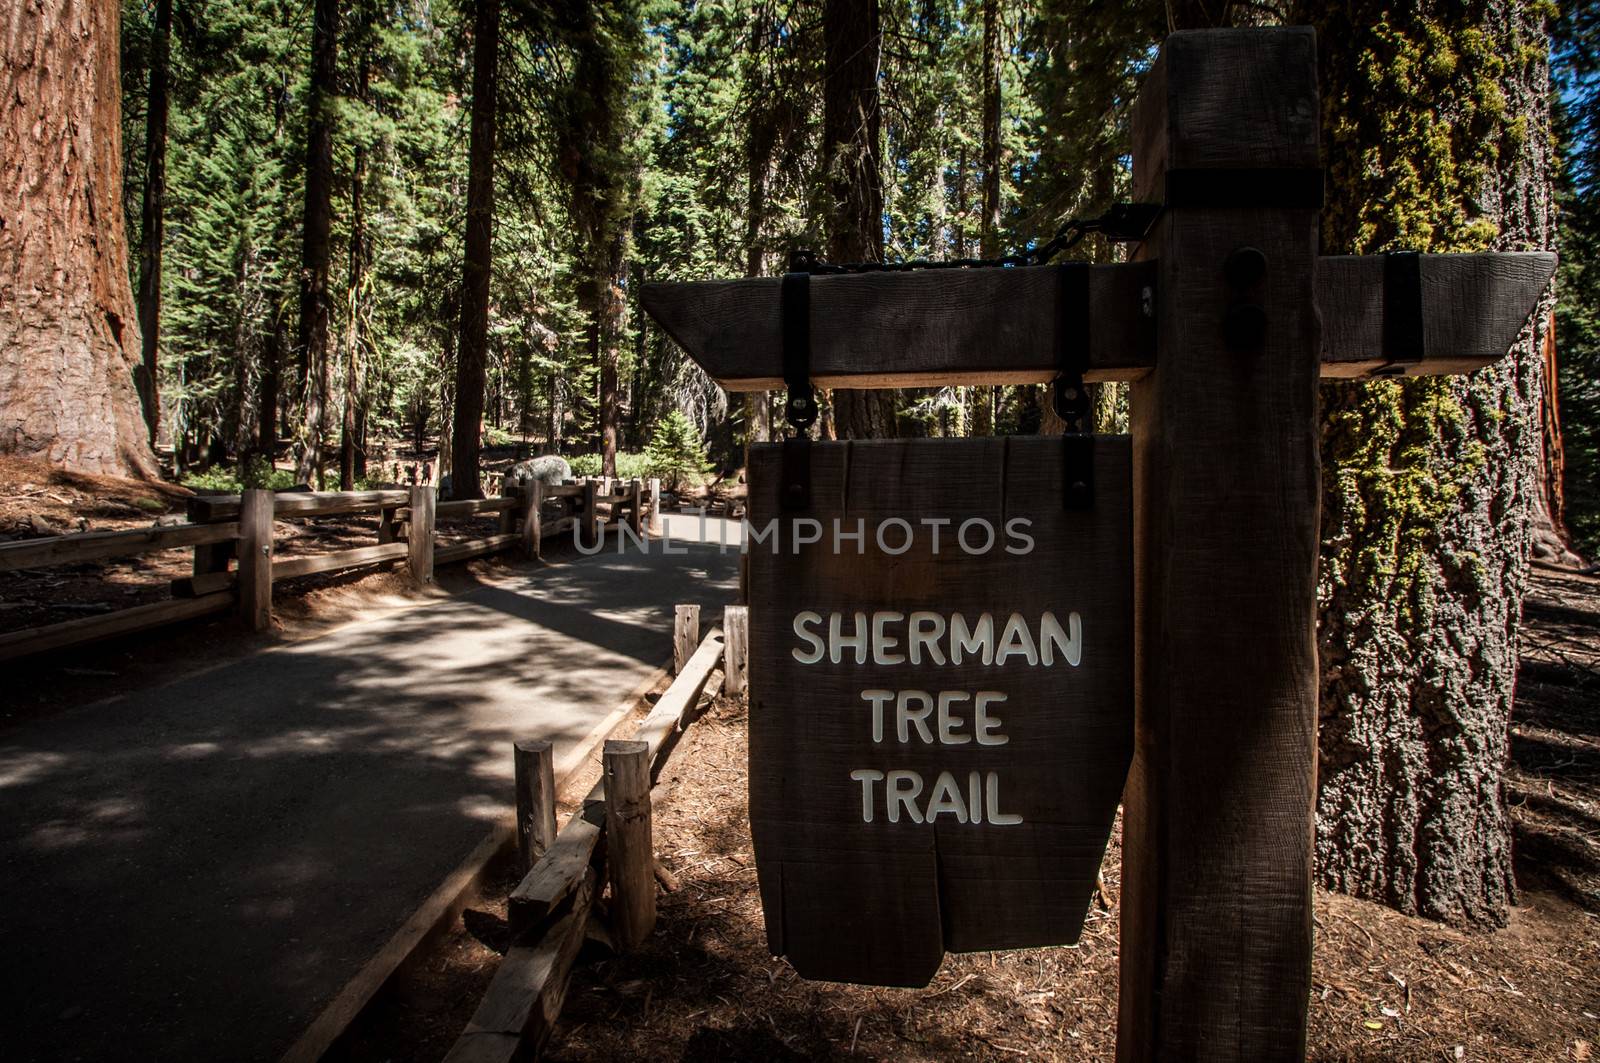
1385,986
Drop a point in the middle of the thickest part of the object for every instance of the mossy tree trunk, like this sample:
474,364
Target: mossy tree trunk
1437,135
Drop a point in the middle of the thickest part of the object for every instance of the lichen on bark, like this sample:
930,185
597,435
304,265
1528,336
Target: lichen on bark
1437,135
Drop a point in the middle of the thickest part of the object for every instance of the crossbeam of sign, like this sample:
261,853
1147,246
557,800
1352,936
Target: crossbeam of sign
999,326
940,730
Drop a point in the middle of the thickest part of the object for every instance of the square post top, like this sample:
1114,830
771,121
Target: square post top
1227,100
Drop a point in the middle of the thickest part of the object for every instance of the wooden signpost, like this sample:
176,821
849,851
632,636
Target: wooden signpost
1225,320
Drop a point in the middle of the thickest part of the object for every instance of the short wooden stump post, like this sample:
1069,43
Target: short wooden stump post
590,518
685,635
630,856
535,764
419,534
655,506
736,648
533,519
255,559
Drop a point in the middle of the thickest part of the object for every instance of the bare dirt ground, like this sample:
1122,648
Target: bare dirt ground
1385,986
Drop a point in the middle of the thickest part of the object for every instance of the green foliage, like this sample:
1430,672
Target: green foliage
630,466
676,452
231,481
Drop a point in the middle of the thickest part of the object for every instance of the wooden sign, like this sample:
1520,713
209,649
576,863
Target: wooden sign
941,699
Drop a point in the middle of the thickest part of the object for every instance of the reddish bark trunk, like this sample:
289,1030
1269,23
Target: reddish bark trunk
69,339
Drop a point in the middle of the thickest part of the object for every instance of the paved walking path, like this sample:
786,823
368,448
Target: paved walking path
193,871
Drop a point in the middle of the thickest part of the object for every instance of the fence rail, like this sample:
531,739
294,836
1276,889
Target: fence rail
233,543
608,839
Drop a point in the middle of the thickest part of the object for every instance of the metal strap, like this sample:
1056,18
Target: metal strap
801,407
1403,343
1070,395
1278,187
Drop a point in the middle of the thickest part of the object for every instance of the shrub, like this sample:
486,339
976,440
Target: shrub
629,466
255,473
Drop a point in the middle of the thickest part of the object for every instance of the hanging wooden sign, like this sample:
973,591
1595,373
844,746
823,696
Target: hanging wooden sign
942,717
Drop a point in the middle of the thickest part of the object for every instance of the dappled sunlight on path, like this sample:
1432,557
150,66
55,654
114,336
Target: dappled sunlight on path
204,864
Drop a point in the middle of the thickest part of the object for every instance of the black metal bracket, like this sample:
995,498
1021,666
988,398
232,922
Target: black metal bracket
1069,394
1282,187
801,406
1403,343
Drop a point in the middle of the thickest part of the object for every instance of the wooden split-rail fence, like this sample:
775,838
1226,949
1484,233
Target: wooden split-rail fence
607,843
232,537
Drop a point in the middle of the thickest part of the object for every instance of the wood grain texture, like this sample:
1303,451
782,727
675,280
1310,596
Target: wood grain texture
519,1010
672,711
490,544
92,546
559,871
1217,820
915,329
685,634
736,657
15,644
630,853
533,520
1473,307
879,902
331,562
419,534
466,507
208,508
255,560
534,763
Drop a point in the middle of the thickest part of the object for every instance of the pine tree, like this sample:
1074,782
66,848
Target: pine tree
676,452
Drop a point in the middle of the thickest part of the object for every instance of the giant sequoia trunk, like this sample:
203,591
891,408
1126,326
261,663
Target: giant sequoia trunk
1438,137
152,217
69,336
851,137
315,248
473,357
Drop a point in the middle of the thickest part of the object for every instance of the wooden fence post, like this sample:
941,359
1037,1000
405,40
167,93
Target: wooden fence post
508,515
1217,835
636,506
736,647
630,856
389,529
533,519
685,635
655,506
255,559
535,764
419,534
591,512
